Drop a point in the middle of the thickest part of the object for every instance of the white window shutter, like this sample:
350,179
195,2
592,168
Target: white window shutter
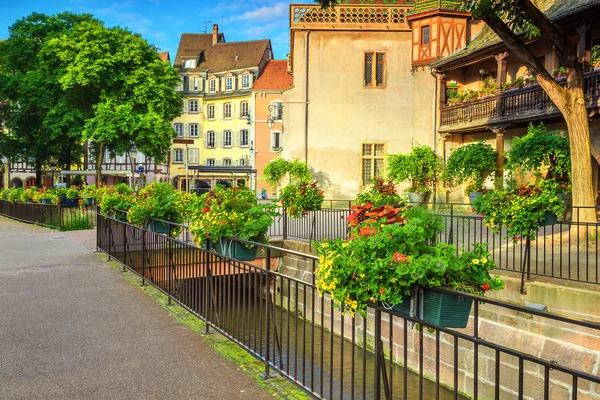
205,143
236,141
220,140
272,140
186,130
200,131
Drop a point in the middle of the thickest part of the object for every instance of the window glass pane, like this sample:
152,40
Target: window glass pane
368,69
379,166
367,176
380,65
425,35
367,149
379,149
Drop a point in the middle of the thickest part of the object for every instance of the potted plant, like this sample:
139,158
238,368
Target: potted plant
596,57
69,197
155,206
226,213
530,80
559,72
88,194
380,194
390,253
49,196
301,195
115,201
523,210
470,164
489,86
420,167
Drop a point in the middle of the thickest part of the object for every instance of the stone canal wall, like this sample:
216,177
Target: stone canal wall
568,345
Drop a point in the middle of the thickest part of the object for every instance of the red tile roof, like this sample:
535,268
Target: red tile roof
164,55
274,77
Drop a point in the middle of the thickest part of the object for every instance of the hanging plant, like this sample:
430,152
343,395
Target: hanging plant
470,164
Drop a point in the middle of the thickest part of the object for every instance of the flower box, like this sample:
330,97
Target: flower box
90,201
445,309
418,198
473,196
549,219
158,227
46,201
236,250
65,202
404,307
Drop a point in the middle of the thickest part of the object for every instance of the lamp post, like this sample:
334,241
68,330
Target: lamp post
132,157
251,150
6,167
52,169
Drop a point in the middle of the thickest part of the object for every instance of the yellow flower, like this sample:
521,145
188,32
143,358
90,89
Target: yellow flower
362,275
345,244
494,214
551,200
324,244
475,261
354,304
483,260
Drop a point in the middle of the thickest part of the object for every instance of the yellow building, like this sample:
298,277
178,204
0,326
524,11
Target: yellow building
216,129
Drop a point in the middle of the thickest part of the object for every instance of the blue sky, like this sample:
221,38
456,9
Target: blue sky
161,22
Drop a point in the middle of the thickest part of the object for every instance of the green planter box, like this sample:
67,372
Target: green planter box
549,219
236,250
90,201
46,201
404,307
444,309
158,227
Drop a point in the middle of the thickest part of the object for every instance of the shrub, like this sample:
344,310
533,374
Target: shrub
420,167
470,164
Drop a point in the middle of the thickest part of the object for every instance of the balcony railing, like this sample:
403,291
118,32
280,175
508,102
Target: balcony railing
512,106
360,17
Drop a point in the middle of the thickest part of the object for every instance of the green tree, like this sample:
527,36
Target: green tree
128,90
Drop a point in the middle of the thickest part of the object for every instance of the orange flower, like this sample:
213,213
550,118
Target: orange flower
367,231
399,257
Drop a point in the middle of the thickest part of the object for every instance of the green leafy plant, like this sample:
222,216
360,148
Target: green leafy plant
88,192
49,194
421,167
380,194
470,164
514,84
300,198
231,213
113,199
277,170
388,253
521,211
559,72
541,150
159,201
489,86
71,193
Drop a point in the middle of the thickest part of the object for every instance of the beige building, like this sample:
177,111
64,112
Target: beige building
362,88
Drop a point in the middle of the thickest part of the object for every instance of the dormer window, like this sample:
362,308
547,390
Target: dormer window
189,63
229,83
246,81
425,35
212,85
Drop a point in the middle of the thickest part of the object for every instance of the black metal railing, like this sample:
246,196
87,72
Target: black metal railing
284,322
59,216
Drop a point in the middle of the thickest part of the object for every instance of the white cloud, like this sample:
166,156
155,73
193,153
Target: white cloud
265,13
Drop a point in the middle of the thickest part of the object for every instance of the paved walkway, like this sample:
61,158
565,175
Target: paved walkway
72,328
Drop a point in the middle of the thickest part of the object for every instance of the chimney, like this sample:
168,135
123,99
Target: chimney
215,33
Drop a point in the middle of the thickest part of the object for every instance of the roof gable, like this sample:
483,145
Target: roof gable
274,77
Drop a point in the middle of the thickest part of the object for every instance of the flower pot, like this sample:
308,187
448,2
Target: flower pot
445,309
158,227
90,201
549,219
473,196
236,250
46,201
69,202
565,199
418,198
404,307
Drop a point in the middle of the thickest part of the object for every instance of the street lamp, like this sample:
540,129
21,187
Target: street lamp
52,168
133,157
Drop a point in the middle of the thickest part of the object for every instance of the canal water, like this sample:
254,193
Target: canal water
308,353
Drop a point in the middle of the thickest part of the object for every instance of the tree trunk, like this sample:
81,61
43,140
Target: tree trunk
38,173
99,157
581,166
68,167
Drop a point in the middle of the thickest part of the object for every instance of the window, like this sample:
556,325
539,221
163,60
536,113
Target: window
227,110
425,36
275,141
210,111
196,83
374,69
242,162
227,139
227,162
373,161
189,63
244,109
246,81
193,106
193,156
244,138
229,83
277,110
194,130
178,156
179,130
210,139
210,162
212,85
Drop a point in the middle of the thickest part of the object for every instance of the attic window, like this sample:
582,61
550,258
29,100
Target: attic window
189,63
236,58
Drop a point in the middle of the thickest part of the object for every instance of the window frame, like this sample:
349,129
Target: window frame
422,41
196,159
197,134
227,114
372,159
179,131
276,135
175,160
247,142
247,106
229,83
227,160
212,85
210,134
225,145
210,111
246,81
210,162
193,110
374,63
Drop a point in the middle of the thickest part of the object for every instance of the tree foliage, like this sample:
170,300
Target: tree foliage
470,164
421,167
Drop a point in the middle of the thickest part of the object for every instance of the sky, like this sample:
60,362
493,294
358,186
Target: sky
162,22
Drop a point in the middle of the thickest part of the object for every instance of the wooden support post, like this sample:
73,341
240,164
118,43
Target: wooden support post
501,76
499,176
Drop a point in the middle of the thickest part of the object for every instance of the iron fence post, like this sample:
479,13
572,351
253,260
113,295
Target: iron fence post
451,232
284,216
60,217
124,244
143,257
109,238
170,267
378,348
267,373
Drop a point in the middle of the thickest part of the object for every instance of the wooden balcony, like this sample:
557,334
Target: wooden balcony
511,106
350,17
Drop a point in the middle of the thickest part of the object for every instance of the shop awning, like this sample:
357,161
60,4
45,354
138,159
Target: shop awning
92,173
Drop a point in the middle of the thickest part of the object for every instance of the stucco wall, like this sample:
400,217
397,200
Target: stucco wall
343,114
